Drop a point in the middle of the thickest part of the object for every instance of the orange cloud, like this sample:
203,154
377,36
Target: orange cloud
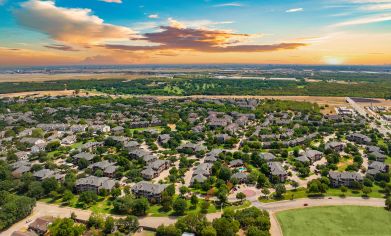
202,40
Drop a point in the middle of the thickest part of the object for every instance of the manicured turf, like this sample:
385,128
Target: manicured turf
336,221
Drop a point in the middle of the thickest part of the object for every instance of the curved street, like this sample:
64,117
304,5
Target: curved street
44,209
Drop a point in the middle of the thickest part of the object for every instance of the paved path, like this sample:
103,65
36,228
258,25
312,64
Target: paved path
44,209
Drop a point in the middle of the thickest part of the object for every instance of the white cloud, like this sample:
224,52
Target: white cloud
376,7
71,25
365,20
111,1
294,10
231,4
153,16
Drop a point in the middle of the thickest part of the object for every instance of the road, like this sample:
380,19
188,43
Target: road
377,123
44,209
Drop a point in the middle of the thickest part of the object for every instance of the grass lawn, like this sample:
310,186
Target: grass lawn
102,206
301,193
155,210
335,220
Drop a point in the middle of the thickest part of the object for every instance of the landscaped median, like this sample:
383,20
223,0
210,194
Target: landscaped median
331,192
335,220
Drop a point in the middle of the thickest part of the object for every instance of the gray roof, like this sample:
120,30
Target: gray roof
303,158
236,162
267,156
84,155
276,168
149,187
345,175
239,176
99,182
43,174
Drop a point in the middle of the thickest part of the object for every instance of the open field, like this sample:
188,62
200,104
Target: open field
66,76
335,220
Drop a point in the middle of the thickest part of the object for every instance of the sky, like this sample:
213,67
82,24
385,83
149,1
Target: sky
94,32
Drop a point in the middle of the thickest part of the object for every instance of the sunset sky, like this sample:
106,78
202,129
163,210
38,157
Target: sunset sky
67,32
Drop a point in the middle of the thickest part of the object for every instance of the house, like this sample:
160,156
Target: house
236,163
40,225
335,146
313,155
163,139
22,156
155,168
212,156
240,177
69,140
108,168
149,190
131,145
303,159
277,170
268,157
377,167
43,174
138,153
83,155
374,149
53,127
118,130
78,128
359,138
201,173
346,178
18,172
90,146
191,147
232,128
94,184
222,138
38,148
100,128
378,156
32,141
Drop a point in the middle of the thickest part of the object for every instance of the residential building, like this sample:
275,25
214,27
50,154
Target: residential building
346,178
149,190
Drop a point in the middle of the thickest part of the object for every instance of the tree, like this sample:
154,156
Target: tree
35,190
116,192
222,196
180,206
140,206
280,190
194,200
366,191
166,202
67,196
192,223
204,207
82,163
109,225
208,231
52,146
241,196
128,225
49,184
225,227
254,231
37,133
123,205
388,203
66,227
169,230
97,221
88,197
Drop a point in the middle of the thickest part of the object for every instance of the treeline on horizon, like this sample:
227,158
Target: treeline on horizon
204,86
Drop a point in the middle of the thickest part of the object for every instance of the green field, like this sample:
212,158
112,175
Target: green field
336,220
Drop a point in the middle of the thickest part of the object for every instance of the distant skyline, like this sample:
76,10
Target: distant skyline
72,32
